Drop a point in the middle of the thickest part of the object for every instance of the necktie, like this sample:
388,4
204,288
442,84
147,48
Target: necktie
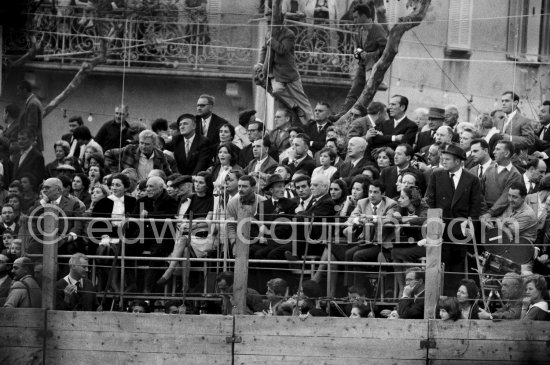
320,128
453,181
295,162
480,171
187,147
531,188
543,132
204,127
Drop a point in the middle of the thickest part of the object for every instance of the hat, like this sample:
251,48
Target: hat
455,150
273,179
182,180
65,167
436,113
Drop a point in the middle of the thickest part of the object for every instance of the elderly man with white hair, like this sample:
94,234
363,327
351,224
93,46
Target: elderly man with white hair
155,237
356,162
69,231
143,157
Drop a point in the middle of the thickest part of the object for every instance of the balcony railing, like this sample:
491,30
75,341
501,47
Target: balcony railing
177,42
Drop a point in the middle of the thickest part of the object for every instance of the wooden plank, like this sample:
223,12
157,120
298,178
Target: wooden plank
21,355
177,343
502,351
373,328
331,348
140,323
268,360
21,337
490,330
132,357
434,238
22,317
485,361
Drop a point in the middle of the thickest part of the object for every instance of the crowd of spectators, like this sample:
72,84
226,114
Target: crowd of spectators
377,181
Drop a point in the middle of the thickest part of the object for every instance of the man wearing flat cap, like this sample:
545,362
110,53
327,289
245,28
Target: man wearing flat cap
458,193
436,116
183,185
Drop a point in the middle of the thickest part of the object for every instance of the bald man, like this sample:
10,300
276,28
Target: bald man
444,134
157,204
25,291
69,232
357,160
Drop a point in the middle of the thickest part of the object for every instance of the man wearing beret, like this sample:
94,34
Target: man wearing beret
436,116
458,193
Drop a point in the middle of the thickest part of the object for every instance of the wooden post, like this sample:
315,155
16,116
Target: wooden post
49,258
434,240
240,283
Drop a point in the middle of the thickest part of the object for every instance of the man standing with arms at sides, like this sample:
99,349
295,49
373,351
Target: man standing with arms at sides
191,150
278,68
396,130
370,42
516,128
481,157
208,123
109,135
458,193
31,117
317,128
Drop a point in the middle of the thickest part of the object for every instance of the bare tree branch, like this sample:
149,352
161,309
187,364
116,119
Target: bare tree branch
36,48
85,69
420,8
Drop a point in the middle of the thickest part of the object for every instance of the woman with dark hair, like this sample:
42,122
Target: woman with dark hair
338,192
95,174
95,159
383,157
80,188
412,212
534,305
226,161
467,296
117,205
372,172
88,152
29,192
359,310
202,202
62,150
359,190
227,135
449,309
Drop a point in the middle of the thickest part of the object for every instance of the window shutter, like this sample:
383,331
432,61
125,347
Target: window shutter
459,31
533,19
515,10
394,10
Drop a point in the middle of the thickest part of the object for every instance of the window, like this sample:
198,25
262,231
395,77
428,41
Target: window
526,25
459,27
545,31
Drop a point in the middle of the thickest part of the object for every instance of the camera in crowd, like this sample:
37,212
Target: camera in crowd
357,53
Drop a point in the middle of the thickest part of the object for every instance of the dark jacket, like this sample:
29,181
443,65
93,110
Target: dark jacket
199,155
278,59
129,158
85,299
406,127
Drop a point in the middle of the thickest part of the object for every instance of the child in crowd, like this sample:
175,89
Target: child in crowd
15,249
449,309
327,158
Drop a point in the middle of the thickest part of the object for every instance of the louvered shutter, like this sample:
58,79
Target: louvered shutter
459,28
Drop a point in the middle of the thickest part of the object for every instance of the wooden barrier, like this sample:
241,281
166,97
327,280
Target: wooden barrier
322,340
123,338
22,335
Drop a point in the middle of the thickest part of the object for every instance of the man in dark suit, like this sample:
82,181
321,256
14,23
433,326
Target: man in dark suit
436,116
255,131
191,150
542,138
262,162
357,160
8,220
11,118
458,193
5,280
28,160
482,159
317,128
31,117
466,138
75,292
389,175
301,160
208,123
396,130
74,122
314,204
534,172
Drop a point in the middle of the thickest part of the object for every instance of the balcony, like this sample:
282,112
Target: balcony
182,42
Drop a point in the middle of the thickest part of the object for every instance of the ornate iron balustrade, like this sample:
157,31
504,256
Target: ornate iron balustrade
179,40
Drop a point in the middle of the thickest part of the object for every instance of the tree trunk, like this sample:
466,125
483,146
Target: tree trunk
420,8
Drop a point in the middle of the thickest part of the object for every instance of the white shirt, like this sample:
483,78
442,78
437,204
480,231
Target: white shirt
189,140
485,166
510,117
118,208
527,182
369,118
507,167
456,176
491,133
72,281
258,166
397,121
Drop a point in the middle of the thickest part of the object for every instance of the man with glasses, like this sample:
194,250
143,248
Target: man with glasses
109,135
255,132
24,291
411,304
